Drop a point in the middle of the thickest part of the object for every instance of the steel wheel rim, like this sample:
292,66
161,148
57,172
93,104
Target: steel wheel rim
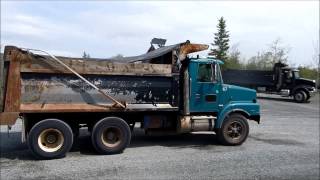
235,130
111,137
50,140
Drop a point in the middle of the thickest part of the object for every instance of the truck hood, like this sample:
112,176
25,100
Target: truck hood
238,93
308,82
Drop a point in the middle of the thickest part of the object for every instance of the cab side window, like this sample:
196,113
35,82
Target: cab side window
205,73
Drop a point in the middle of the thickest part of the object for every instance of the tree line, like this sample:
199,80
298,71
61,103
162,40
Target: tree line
263,60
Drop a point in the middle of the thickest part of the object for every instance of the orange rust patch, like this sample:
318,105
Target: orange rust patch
8,118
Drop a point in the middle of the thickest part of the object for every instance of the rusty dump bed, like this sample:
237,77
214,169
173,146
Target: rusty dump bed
32,83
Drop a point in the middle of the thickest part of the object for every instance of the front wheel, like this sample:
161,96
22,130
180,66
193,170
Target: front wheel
234,130
308,97
300,96
111,135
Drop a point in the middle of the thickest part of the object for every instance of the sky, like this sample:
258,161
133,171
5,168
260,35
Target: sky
107,28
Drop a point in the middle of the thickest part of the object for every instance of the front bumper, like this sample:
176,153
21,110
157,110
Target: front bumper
312,91
255,118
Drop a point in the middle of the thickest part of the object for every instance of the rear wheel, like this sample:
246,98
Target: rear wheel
300,96
50,138
111,135
234,130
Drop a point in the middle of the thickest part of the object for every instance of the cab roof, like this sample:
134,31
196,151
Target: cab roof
207,60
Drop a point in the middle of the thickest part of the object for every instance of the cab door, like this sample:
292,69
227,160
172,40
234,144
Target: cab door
204,87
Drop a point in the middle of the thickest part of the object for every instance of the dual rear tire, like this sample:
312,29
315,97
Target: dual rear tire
50,138
111,135
53,138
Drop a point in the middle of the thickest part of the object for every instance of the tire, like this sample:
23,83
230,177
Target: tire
307,96
232,137
50,138
300,96
111,135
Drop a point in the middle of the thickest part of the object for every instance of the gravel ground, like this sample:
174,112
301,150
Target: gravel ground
284,146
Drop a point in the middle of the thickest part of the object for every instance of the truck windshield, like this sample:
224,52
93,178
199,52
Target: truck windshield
296,74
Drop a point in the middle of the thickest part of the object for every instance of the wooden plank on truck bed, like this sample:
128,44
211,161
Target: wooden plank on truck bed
43,64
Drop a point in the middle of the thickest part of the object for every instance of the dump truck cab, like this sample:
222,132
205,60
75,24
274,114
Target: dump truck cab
291,77
300,88
208,93
282,80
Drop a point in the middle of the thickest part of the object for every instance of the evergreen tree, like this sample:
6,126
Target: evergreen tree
85,55
221,41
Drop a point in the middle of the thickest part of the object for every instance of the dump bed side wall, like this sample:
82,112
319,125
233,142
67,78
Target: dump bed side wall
38,84
39,88
44,81
248,78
